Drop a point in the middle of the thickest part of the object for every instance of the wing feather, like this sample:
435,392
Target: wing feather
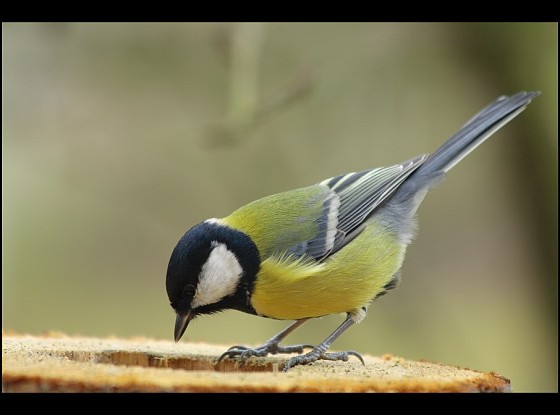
359,194
331,213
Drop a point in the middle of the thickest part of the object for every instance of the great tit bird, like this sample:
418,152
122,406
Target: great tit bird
329,248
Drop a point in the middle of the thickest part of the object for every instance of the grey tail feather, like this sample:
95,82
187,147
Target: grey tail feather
474,132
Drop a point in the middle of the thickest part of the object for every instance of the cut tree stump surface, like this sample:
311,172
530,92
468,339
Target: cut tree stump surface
60,363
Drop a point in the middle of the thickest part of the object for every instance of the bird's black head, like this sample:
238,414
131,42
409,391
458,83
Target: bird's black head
212,268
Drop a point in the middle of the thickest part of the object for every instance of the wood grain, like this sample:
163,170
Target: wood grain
60,363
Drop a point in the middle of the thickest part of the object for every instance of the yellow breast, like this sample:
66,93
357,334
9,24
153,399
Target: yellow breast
344,282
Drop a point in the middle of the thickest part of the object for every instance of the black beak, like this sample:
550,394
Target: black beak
181,324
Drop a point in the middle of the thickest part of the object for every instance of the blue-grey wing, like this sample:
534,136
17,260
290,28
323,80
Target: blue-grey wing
349,201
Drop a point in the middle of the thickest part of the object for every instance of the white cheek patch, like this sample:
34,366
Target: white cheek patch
219,276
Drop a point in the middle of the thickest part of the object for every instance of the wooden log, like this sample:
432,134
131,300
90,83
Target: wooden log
59,363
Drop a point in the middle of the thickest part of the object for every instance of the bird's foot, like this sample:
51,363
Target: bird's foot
244,352
319,353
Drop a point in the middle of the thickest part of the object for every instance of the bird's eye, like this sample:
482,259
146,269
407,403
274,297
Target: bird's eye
189,290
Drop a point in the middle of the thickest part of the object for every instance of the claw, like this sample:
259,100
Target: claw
228,353
232,351
357,355
238,347
317,354
244,352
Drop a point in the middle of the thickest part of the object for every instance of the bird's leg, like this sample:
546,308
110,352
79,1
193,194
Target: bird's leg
320,352
270,347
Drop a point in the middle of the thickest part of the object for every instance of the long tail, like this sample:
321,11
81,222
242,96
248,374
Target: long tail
474,132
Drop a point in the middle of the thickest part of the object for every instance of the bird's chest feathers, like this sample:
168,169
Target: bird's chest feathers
290,289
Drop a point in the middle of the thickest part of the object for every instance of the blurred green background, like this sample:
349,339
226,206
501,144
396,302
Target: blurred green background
119,137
